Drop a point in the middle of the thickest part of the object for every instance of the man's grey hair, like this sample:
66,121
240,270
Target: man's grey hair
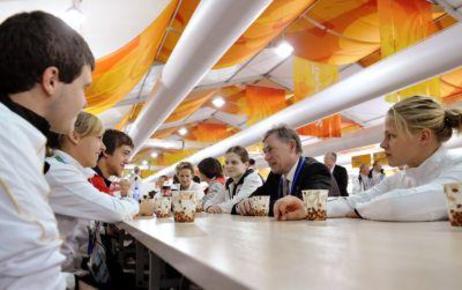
333,154
286,135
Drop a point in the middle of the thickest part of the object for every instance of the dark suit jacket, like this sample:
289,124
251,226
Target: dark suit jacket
341,176
315,175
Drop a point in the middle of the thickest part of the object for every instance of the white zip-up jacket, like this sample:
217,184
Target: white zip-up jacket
226,199
414,194
29,247
73,197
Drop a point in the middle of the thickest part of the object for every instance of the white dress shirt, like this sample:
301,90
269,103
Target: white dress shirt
73,197
29,247
414,194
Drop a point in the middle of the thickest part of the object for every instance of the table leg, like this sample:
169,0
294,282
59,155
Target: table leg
140,252
155,269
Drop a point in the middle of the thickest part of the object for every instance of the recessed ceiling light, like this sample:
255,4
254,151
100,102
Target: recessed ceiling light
284,49
183,131
144,162
154,154
218,102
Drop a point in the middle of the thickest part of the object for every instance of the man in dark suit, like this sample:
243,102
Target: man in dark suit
338,172
290,171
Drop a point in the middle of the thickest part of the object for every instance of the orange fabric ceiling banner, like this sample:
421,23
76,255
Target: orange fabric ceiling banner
336,32
451,86
404,23
278,15
194,101
118,73
325,128
179,23
311,77
168,158
209,132
356,161
262,102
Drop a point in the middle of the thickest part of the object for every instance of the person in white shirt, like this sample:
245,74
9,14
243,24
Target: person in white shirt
241,184
72,196
185,173
363,182
376,174
45,67
415,130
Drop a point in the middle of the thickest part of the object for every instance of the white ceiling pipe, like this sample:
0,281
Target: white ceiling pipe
213,28
433,56
173,144
361,138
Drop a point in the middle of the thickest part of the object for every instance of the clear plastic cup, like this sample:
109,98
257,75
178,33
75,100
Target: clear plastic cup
184,206
315,201
454,194
259,205
162,206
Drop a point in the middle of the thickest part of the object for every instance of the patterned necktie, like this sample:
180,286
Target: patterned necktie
285,186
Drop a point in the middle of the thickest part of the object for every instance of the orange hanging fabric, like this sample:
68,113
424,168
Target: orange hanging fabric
262,102
277,16
325,128
336,32
194,101
117,74
209,132
404,23
309,78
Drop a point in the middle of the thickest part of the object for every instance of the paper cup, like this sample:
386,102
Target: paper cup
454,194
315,201
146,207
259,205
162,206
184,206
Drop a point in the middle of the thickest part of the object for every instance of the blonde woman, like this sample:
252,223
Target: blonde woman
415,130
72,197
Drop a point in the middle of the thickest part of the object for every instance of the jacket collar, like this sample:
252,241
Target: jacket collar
430,166
33,118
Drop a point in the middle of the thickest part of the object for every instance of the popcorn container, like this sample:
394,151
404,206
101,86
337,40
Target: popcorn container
315,201
162,206
454,194
146,207
259,205
184,206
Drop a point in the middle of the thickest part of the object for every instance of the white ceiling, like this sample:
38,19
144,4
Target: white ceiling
108,25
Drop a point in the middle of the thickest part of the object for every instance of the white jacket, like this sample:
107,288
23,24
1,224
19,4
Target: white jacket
73,197
414,194
29,248
225,200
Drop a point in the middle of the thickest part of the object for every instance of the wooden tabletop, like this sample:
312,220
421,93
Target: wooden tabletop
233,252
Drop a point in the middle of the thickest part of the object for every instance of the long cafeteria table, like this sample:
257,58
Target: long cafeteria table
233,252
